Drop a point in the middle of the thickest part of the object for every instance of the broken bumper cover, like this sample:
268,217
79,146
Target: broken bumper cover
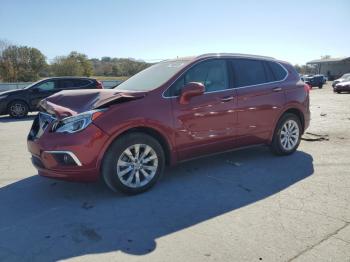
73,157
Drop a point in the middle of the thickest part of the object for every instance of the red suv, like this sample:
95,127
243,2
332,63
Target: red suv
173,111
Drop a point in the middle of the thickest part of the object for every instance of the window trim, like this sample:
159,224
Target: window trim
230,75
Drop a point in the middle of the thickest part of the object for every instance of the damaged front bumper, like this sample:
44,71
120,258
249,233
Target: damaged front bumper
73,157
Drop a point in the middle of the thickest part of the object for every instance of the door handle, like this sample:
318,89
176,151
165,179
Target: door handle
277,89
227,98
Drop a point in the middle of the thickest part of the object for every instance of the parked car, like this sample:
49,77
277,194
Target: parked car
171,112
303,77
315,80
343,78
342,87
17,103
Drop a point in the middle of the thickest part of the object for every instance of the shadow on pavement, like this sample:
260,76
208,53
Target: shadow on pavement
7,119
48,220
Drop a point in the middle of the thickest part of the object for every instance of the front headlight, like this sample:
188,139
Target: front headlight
76,123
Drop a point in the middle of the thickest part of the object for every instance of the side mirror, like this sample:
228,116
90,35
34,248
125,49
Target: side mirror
35,90
190,90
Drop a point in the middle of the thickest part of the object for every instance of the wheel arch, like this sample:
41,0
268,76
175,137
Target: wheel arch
156,134
296,112
291,110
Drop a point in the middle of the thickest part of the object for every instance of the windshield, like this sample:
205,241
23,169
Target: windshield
33,84
153,76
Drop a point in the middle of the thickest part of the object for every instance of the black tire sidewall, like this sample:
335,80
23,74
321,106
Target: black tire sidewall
276,144
18,102
109,172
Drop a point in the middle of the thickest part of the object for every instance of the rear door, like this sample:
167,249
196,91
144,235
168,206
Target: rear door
260,98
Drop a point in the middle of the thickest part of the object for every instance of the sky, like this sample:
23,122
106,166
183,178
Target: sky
295,31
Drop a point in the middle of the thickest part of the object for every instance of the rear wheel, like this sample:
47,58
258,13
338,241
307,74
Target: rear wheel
18,109
320,86
133,163
287,135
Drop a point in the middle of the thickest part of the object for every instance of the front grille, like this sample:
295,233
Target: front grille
41,122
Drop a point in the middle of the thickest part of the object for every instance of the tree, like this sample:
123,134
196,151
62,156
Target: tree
3,45
325,57
107,66
21,63
75,64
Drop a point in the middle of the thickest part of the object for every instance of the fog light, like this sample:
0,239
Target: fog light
65,158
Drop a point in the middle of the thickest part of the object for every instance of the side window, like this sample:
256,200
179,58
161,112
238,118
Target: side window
46,86
248,72
66,84
277,70
81,83
268,72
212,74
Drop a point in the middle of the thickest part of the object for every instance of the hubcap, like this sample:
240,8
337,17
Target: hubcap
137,165
18,109
289,135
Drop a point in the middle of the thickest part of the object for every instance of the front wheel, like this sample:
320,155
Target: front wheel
133,163
18,109
287,135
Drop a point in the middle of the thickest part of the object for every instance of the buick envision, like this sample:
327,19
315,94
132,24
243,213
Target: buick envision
173,111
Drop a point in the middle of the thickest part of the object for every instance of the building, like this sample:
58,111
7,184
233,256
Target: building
331,67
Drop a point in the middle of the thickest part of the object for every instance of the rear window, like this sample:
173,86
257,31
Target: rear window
278,71
248,72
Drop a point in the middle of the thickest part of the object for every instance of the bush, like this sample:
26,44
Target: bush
75,64
21,63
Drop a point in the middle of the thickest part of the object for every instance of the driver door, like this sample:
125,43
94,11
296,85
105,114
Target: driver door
41,91
205,124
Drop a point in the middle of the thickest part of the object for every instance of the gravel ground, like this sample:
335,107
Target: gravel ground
242,206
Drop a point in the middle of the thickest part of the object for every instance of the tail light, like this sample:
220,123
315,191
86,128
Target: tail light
307,88
99,85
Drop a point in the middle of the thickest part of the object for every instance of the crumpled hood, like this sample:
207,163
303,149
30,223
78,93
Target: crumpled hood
72,102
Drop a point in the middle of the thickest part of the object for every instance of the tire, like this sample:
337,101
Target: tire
18,109
320,86
120,171
338,92
279,146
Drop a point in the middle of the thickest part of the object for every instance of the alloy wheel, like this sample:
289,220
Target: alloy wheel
18,109
289,136
137,165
